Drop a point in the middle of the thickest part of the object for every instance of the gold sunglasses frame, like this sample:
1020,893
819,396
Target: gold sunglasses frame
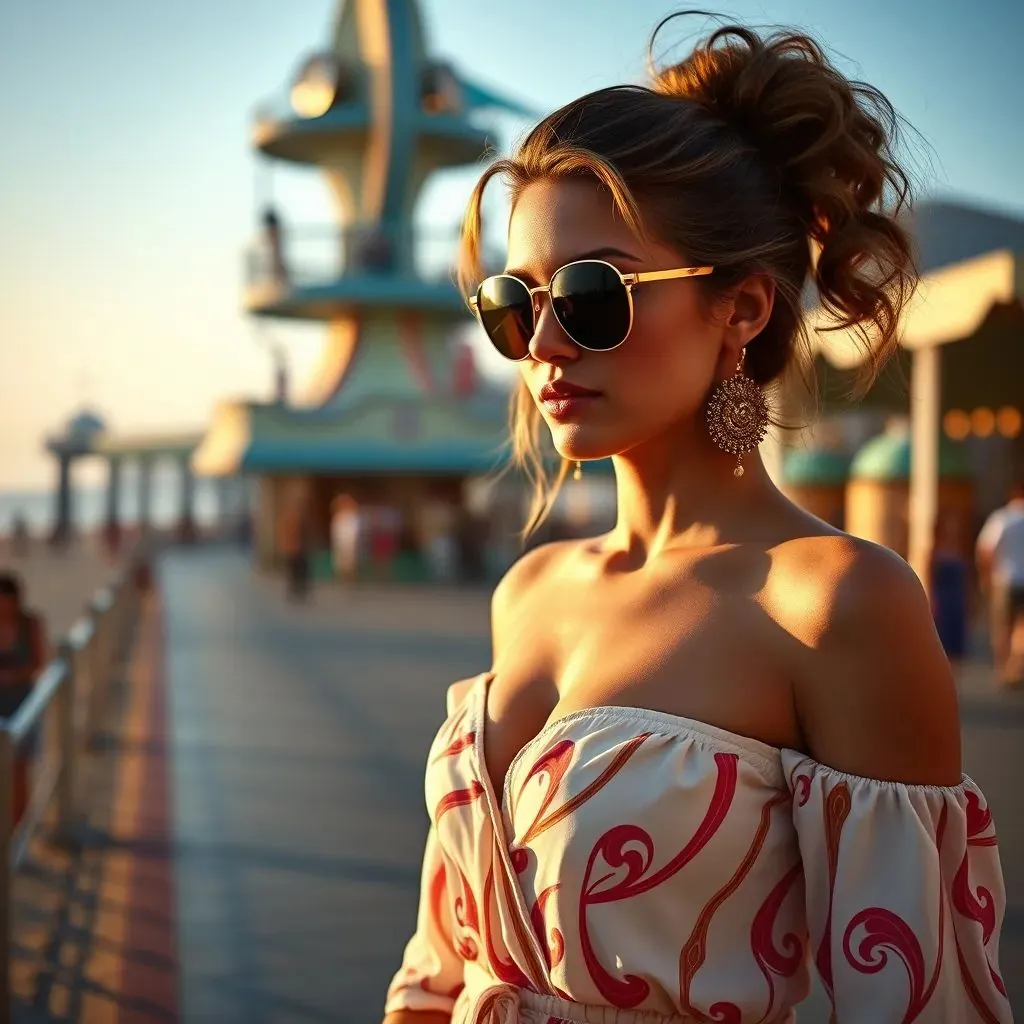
629,282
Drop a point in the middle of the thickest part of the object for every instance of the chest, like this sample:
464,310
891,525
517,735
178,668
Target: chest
685,648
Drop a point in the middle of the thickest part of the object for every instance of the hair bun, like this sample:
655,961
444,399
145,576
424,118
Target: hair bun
829,138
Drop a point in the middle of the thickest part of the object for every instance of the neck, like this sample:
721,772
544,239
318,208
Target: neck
681,492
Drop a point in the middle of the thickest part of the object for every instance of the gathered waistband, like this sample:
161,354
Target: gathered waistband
494,1002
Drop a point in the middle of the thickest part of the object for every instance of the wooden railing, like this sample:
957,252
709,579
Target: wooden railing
60,719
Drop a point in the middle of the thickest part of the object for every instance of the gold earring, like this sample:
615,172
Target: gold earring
577,473
738,415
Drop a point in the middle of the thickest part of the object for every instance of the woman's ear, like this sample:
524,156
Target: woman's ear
751,305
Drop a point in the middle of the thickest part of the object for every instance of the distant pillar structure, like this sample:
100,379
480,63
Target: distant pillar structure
60,536
113,517
145,516
186,519
78,439
112,524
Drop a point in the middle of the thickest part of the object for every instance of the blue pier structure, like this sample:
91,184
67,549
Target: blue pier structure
396,418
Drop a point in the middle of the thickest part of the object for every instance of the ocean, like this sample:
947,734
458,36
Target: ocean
89,504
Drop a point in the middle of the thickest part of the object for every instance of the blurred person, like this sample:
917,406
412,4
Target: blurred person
19,540
719,743
438,528
408,564
274,242
385,526
346,532
443,556
296,543
377,252
1000,560
112,537
949,585
468,537
23,655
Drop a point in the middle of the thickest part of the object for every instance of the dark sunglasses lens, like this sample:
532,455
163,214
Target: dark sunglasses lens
506,312
592,304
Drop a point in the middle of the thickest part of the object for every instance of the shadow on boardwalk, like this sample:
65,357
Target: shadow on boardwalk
94,921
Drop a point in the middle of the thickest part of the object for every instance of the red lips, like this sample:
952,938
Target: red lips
560,389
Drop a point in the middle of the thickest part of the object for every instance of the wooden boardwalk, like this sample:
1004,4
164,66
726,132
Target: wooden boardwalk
60,585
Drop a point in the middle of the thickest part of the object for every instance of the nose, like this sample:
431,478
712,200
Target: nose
550,344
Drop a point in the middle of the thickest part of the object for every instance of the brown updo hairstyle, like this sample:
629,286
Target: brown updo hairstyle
754,154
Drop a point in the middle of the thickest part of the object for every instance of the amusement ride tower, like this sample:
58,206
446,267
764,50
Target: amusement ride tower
396,414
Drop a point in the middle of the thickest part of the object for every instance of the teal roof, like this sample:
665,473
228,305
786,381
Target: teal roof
821,466
329,299
376,457
84,426
887,457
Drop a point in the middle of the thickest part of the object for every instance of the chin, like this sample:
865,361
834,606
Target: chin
579,445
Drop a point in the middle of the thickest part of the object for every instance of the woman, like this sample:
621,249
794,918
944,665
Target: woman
720,741
22,657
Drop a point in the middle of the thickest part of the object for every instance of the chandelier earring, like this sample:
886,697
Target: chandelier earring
738,415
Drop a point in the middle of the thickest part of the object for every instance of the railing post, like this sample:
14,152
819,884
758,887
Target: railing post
84,677
6,873
67,779
106,622
119,631
97,668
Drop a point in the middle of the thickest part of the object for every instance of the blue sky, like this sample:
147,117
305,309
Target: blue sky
129,190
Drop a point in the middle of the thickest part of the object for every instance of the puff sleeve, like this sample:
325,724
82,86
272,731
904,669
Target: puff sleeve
431,974
904,896
430,977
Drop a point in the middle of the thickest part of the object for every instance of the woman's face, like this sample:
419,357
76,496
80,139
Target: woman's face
660,377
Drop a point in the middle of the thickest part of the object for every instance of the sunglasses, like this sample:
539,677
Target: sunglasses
592,302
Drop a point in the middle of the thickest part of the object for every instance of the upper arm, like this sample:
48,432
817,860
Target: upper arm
877,696
989,535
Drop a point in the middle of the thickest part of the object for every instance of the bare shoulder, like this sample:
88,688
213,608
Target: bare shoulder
873,689
523,579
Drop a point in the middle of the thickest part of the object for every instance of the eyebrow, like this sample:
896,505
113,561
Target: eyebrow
592,254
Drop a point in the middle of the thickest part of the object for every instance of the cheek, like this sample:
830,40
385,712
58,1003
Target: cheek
670,357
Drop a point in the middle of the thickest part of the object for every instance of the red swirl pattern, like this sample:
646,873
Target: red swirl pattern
544,908
458,798
553,945
837,809
980,908
784,962
467,917
613,846
802,789
691,959
507,971
886,930
456,746
979,818
558,766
